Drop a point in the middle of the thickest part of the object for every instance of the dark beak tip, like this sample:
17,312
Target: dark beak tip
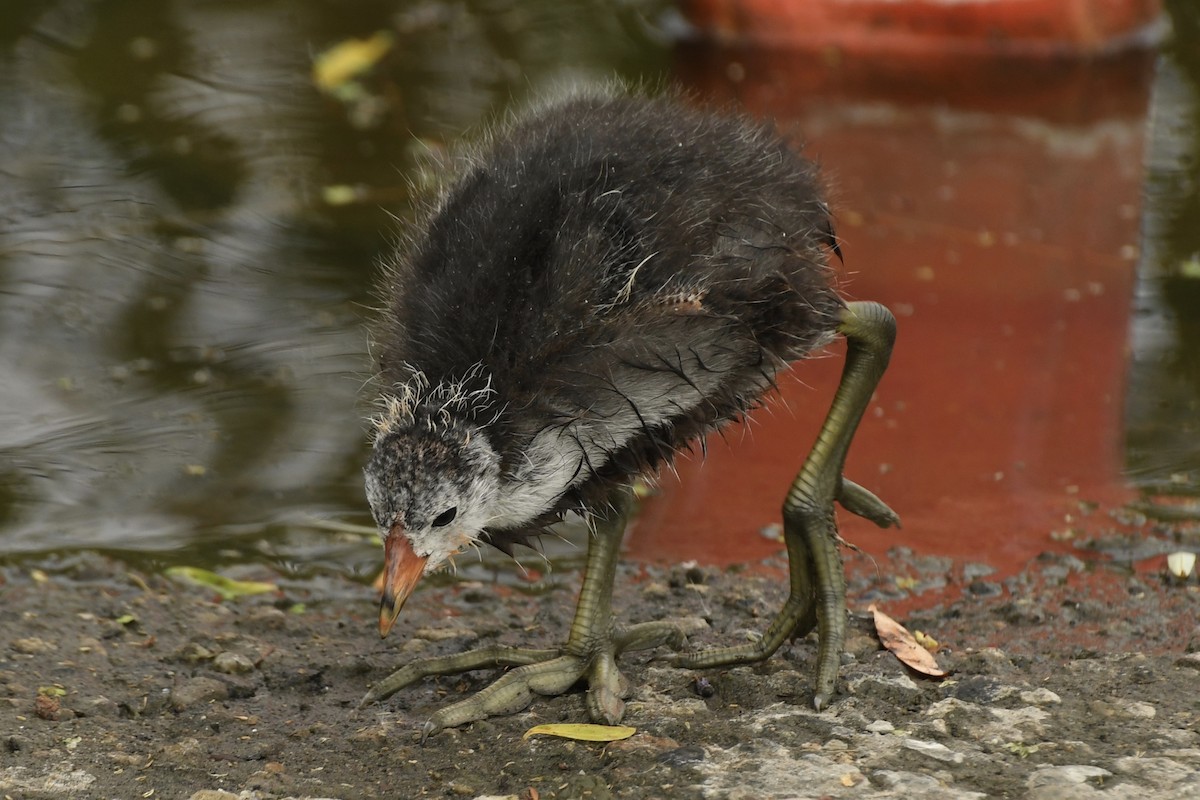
388,612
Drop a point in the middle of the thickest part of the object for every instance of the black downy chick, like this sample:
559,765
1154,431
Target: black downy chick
609,278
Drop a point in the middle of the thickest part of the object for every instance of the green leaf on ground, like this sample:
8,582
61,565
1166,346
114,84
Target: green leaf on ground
228,588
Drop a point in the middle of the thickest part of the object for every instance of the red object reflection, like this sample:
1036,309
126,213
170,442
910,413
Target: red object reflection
1044,27
1004,239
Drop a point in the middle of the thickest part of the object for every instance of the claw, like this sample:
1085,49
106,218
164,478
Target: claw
605,706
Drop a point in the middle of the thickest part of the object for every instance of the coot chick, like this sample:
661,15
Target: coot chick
607,279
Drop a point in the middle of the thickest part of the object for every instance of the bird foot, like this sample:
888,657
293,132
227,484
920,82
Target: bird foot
818,591
537,672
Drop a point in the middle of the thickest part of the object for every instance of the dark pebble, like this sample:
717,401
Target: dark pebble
682,756
974,570
980,689
984,588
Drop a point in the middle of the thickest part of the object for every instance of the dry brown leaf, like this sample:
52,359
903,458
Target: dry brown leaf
896,638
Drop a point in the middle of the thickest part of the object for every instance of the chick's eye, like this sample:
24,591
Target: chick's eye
445,518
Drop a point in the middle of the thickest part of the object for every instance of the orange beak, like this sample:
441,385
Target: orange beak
401,570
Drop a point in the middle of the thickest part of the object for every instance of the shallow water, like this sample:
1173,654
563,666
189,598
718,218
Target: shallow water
182,306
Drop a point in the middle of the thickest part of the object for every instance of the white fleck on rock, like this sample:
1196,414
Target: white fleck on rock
934,750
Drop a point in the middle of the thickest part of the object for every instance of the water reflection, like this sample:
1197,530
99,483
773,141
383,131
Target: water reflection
1005,237
180,314
1163,412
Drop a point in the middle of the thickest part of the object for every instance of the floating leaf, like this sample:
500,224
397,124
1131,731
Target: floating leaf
340,194
896,638
583,732
347,59
228,588
125,619
52,691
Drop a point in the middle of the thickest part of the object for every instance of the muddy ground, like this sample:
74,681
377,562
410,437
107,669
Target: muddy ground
1077,678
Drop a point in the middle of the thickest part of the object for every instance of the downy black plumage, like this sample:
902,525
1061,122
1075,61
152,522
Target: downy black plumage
607,279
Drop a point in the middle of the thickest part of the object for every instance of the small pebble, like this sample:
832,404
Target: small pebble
193,653
1040,697
985,588
1066,775
934,750
213,794
267,618
655,591
198,690
232,663
33,646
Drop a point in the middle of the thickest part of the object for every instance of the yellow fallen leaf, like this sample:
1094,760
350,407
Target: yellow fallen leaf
228,588
346,59
583,732
896,638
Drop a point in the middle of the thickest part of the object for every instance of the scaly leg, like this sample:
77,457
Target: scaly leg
817,592
590,653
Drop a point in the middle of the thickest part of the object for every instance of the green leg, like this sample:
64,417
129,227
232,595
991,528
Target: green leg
590,653
817,592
